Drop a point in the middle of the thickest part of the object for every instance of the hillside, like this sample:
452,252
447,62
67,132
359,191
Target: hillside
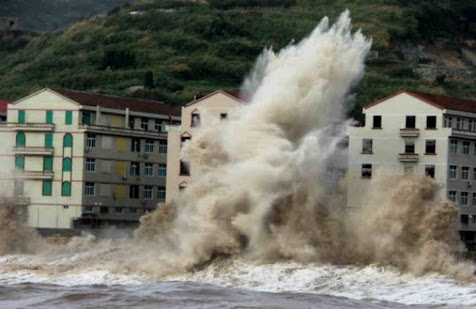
47,15
193,47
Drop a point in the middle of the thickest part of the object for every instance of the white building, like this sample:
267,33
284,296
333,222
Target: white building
411,132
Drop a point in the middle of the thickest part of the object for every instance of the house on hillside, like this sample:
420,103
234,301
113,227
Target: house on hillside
214,106
426,134
85,160
9,23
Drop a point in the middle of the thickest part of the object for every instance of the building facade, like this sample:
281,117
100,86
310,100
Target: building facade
411,132
9,23
84,159
212,107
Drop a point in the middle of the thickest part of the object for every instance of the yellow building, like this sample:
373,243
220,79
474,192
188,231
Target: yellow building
81,159
196,113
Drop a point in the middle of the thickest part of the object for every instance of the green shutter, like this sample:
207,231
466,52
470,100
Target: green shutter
67,165
66,189
21,140
20,163
47,164
68,117
46,187
68,141
86,118
48,140
21,116
49,116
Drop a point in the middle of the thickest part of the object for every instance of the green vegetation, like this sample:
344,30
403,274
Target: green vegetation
173,50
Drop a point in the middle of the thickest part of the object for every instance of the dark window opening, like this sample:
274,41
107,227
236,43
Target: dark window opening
184,139
367,145
430,147
367,171
409,147
134,192
135,145
464,219
430,171
431,122
223,116
184,168
195,120
410,122
377,122
104,210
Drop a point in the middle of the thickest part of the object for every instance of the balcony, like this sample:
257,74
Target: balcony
45,175
27,127
463,133
119,131
34,151
409,132
408,157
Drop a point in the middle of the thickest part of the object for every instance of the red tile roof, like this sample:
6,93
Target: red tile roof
109,101
3,105
439,101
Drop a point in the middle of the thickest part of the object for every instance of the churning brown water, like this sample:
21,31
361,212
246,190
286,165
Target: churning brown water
258,217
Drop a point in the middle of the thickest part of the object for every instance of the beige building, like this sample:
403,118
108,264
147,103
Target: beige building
196,113
85,159
411,132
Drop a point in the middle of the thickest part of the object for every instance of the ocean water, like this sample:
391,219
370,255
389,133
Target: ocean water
28,281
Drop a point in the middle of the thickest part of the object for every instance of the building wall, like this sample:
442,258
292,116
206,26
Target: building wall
209,108
388,143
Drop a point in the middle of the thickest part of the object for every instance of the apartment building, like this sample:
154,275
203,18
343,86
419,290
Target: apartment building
213,107
79,159
412,132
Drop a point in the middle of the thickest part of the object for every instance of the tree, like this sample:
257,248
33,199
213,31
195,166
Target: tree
149,80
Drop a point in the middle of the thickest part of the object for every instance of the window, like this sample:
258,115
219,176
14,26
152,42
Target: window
88,209
182,186
474,173
466,148
20,163
184,168
20,139
161,194
149,170
474,149
67,140
134,192
149,145
158,125
465,173
163,146
184,139
104,210
367,146
430,146
452,196
458,123
134,169
49,116
90,188
223,116
68,117
131,122
453,172
135,144
91,140
21,116
66,188
67,165
410,122
144,124
147,193
90,165
162,170
48,140
195,119
377,122
18,188
454,146
448,122
118,210
464,198
366,171
430,171
474,201
409,146
47,188
48,164
133,210
431,122
464,219
86,118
